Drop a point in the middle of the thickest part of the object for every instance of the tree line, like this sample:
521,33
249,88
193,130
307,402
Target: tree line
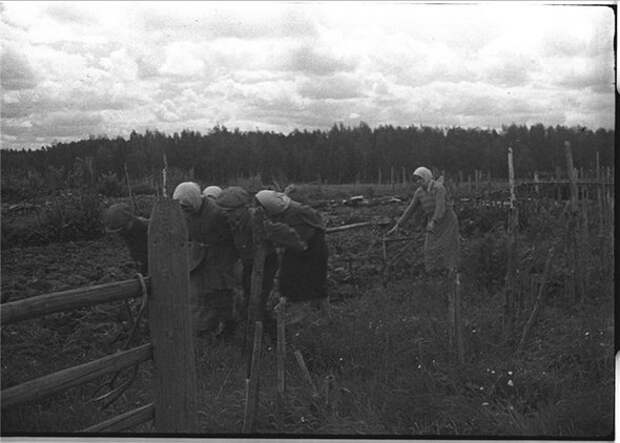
338,155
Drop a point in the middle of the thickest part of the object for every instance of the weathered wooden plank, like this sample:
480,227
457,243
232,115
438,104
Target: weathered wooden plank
67,300
77,375
347,227
124,421
174,389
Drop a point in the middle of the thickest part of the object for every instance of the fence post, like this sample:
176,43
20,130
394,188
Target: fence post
574,245
170,321
511,271
458,319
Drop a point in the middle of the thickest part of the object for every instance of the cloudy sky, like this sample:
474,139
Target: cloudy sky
74,69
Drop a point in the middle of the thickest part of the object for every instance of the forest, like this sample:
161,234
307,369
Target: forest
339,155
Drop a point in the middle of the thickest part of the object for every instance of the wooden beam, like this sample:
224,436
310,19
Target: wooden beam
170,321
77,375
67,300
124,421
347,227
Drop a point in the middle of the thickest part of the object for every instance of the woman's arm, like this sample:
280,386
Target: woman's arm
282,234
415,201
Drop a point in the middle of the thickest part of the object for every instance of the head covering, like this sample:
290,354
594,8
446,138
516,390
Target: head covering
117,217
273,202
188,194
212,191
233,197
424,173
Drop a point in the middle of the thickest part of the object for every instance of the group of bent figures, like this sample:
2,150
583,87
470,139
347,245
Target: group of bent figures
222,248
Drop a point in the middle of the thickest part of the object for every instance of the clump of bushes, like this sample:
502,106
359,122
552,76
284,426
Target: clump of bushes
69,216
110,186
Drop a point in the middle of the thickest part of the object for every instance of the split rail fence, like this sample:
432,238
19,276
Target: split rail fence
173,409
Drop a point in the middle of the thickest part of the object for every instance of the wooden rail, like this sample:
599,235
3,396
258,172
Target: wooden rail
124,421
70,377
175,395
66,300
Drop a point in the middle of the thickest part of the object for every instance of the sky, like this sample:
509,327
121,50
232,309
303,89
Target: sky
71,70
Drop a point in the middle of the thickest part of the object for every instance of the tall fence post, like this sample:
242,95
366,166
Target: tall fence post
574,247
511,271
170,321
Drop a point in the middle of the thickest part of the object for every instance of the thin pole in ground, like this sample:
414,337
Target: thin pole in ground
305,372
281,357
252,382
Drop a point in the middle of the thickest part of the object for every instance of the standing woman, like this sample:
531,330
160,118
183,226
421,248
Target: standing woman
212,259
298,229
441,243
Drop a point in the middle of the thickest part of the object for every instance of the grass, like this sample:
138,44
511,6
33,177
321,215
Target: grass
386,348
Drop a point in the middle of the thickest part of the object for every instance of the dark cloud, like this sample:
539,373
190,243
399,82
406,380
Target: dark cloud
220,23
15,71
30,104
563,46
67,13
598,75
147,68
334,87
510,73
309,60
66,124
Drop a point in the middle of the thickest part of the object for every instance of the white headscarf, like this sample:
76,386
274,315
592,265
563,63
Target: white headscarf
424,173
273,202
212,191
188,194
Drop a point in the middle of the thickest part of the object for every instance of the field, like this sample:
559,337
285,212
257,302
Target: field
385,348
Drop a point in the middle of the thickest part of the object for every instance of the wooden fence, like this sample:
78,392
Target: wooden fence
171,348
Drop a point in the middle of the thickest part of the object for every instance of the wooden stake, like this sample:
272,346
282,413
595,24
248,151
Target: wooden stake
131,196
252,382
458,320
573,221
539,299
305,372
281,356
164,176
451,319
255,310
511,272
328,385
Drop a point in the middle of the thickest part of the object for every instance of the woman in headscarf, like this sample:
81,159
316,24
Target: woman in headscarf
119,218
441,243
299,229
212,191
236,203
212,259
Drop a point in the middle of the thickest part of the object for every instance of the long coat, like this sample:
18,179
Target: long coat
212,259
303,272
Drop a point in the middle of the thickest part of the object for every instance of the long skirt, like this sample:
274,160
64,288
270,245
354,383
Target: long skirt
303,275
441,247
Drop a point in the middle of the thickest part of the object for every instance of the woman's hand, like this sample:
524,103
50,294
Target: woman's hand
430,227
